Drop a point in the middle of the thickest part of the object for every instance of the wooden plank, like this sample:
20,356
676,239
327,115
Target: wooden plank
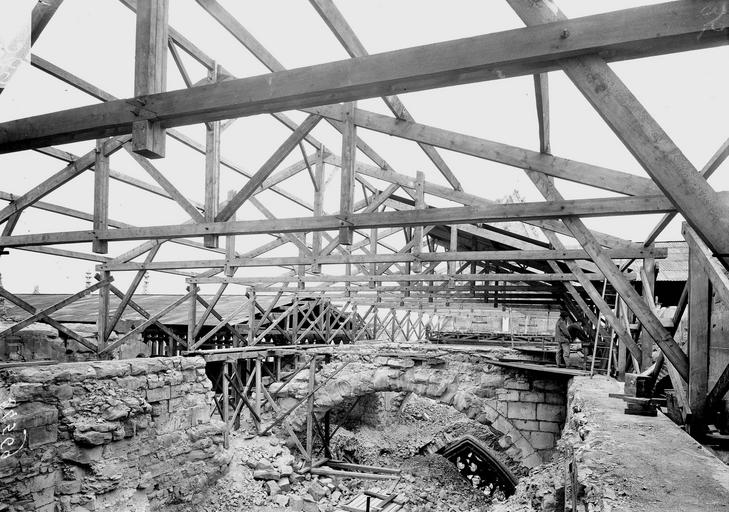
418,231
150,73
310,410
349,151
643,136
101,197
653,30
324,471
431,216
267,168
648,279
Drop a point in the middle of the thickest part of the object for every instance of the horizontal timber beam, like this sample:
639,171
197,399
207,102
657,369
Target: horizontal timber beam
653,30
568,254
249,281
487,213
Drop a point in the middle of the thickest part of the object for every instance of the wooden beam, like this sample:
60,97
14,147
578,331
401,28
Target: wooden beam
53,308
40,16
617,279
578,172
432,216
349,151
319,186
267,168
700,305
101,197
393,278
212,170
349,40
655,29
642,135
418,231
403,256
541,93
63,176
150,73
47,319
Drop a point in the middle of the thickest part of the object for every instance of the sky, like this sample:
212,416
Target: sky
94,39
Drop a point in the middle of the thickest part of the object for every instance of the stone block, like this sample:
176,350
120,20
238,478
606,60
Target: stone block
549,385
549,412
266,474
68,487
158,394
296,503
555,398
38,436
524,425
281,500
200,414
520,385
27,391
531,396
541,440
549,426
110,369
272,488
317,491
31,414
132,382
522,411
508,396
284,484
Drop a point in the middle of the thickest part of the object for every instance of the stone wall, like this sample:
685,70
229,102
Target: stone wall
114,435
528,408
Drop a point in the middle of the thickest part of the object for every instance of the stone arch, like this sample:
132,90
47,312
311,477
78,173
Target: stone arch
445,385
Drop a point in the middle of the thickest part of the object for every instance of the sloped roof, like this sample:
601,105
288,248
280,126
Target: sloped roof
85,310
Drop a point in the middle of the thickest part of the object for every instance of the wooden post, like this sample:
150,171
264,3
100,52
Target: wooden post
418,231
699,304
230,253
318,206
646,341
103,319
192,315
622,349
226,407
394,323
310,410
101,198
349,149
453,247
252,316
259,387
150,72
327,432
212,170
373,251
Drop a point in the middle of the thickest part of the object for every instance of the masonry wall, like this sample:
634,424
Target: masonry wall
115,435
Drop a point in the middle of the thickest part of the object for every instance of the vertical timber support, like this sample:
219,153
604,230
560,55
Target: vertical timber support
101,199
226,406
212,169
252,318
103,319
646,341
700,299
349,149
192,315
418,230
150,72
310,411
318,207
